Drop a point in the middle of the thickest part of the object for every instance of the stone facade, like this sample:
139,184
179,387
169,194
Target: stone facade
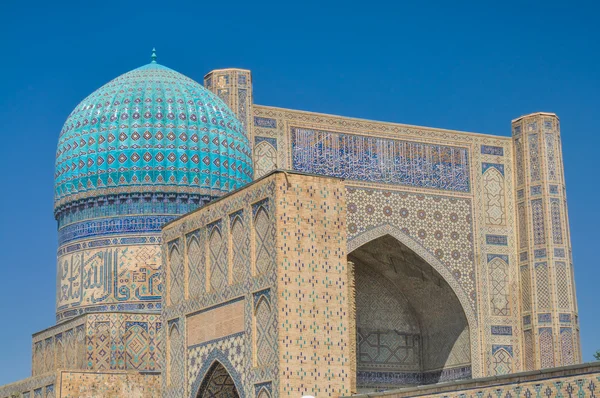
386,256
459,199
235,321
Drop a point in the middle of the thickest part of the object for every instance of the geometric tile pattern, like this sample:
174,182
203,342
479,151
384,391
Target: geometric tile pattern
566,346
442,225
218,259
494,196
265,158
529,356
240,240
272,141
525,288
555,206
265,333
537,214
144,148
384,343
225,249
534,160
523,224
542,282
175,357
242,112
196,263
264,240
121,341
390,352
49,351
550,157
388,348
110,341
227,351
176,275
136,345
499,287
519,161
562,285
502,360
158,128
546,348
100,343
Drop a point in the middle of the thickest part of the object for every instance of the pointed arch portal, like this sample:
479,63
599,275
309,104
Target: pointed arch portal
218,383
412,328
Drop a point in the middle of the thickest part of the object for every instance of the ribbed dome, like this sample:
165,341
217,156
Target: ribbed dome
150,130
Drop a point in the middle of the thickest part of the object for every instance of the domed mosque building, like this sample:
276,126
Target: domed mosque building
141,150
213,247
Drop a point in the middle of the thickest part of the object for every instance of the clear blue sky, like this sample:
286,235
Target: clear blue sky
454,65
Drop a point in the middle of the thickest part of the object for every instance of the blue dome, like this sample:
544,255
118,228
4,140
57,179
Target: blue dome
150,130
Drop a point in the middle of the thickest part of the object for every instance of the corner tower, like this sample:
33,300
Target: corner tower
548,302
234,87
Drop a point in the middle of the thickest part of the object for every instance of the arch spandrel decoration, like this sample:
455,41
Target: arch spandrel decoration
265,158
216,360
197,264
176,274
218,383
217,259
469,311
502,360
494,195
240,246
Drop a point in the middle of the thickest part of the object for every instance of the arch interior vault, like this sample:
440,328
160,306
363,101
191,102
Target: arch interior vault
411,327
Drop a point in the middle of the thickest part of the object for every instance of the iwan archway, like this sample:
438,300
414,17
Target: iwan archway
411,327
218,383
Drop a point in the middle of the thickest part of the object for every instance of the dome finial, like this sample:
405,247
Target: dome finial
154,55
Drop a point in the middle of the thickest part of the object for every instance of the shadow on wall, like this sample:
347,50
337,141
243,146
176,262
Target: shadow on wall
411,327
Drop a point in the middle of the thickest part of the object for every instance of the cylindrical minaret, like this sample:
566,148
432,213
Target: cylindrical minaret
548,303
234,87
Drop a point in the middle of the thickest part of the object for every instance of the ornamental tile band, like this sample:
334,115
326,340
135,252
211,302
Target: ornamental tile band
373,159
